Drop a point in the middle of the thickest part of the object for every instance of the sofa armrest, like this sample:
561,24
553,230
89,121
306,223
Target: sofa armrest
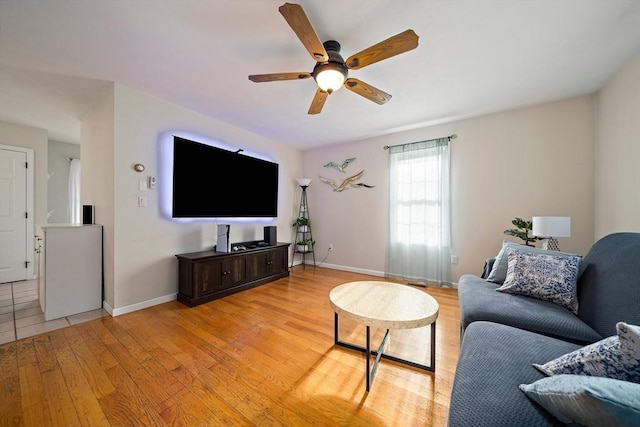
488,265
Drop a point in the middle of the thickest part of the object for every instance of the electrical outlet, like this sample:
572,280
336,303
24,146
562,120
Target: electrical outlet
454,259
331,246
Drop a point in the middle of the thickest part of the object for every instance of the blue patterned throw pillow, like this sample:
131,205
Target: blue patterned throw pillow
499,271
616,357
543,276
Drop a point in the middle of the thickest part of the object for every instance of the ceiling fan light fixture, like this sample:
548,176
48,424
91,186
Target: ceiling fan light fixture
331,70
330,78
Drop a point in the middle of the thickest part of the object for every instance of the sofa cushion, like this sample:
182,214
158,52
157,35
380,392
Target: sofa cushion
588,401
615,357
498,272
494,360
543,276
609,283
480,301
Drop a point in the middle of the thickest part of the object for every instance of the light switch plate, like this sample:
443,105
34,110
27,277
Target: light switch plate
142,185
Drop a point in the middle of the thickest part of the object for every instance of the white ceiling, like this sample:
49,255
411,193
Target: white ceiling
474,57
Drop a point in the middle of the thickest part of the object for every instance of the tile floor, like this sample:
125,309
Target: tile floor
21,315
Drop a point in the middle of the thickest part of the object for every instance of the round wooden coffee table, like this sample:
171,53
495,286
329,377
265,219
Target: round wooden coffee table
384,305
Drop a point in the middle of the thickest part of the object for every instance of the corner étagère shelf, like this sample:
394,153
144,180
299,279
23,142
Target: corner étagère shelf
304,242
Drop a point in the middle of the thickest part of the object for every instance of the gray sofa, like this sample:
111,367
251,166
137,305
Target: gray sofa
503,334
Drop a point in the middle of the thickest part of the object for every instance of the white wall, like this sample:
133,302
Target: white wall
141,241
519,163
617,173
96,180
575,157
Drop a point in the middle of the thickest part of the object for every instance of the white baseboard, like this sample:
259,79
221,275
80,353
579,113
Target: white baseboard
370,272
353,269
137,306
106,307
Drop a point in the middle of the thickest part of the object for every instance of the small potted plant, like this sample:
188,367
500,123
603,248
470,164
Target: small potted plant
305,245
302,224
522,231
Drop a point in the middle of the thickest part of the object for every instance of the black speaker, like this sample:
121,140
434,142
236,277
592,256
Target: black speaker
270,235
88,214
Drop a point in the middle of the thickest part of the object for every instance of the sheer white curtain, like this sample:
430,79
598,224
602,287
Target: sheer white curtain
74,192
419,241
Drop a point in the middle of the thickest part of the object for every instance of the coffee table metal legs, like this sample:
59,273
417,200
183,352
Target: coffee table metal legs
371,371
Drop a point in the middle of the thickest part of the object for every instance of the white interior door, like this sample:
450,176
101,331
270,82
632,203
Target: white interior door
14,216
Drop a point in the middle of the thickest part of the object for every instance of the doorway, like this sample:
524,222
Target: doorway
16,214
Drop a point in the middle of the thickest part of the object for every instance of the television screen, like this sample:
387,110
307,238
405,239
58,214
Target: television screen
210,182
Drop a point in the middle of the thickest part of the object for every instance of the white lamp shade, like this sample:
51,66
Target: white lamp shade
551,226
304,182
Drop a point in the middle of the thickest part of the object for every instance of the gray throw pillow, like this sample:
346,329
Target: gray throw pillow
543,276
588,401
499,271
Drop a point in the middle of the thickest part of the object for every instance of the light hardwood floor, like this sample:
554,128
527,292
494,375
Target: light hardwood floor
262,357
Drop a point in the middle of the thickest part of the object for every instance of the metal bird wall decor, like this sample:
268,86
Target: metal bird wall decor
347,182
341,167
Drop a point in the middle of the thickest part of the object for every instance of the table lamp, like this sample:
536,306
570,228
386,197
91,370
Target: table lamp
550,227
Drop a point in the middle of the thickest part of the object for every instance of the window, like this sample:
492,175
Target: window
419,212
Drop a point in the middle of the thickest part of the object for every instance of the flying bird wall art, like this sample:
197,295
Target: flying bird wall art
341,167
346,183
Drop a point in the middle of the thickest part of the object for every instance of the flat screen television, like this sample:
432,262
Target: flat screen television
210,182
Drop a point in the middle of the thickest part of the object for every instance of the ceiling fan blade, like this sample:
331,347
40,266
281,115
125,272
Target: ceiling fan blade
318,101
300,24
366,90
273,77
392,46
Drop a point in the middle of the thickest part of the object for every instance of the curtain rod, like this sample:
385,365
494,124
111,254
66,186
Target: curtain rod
72,158
453,136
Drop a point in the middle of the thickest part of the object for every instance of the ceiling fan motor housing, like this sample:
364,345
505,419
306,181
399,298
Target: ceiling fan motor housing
335,62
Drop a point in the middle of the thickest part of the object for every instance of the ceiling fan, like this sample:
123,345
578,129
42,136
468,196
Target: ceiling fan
330,71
